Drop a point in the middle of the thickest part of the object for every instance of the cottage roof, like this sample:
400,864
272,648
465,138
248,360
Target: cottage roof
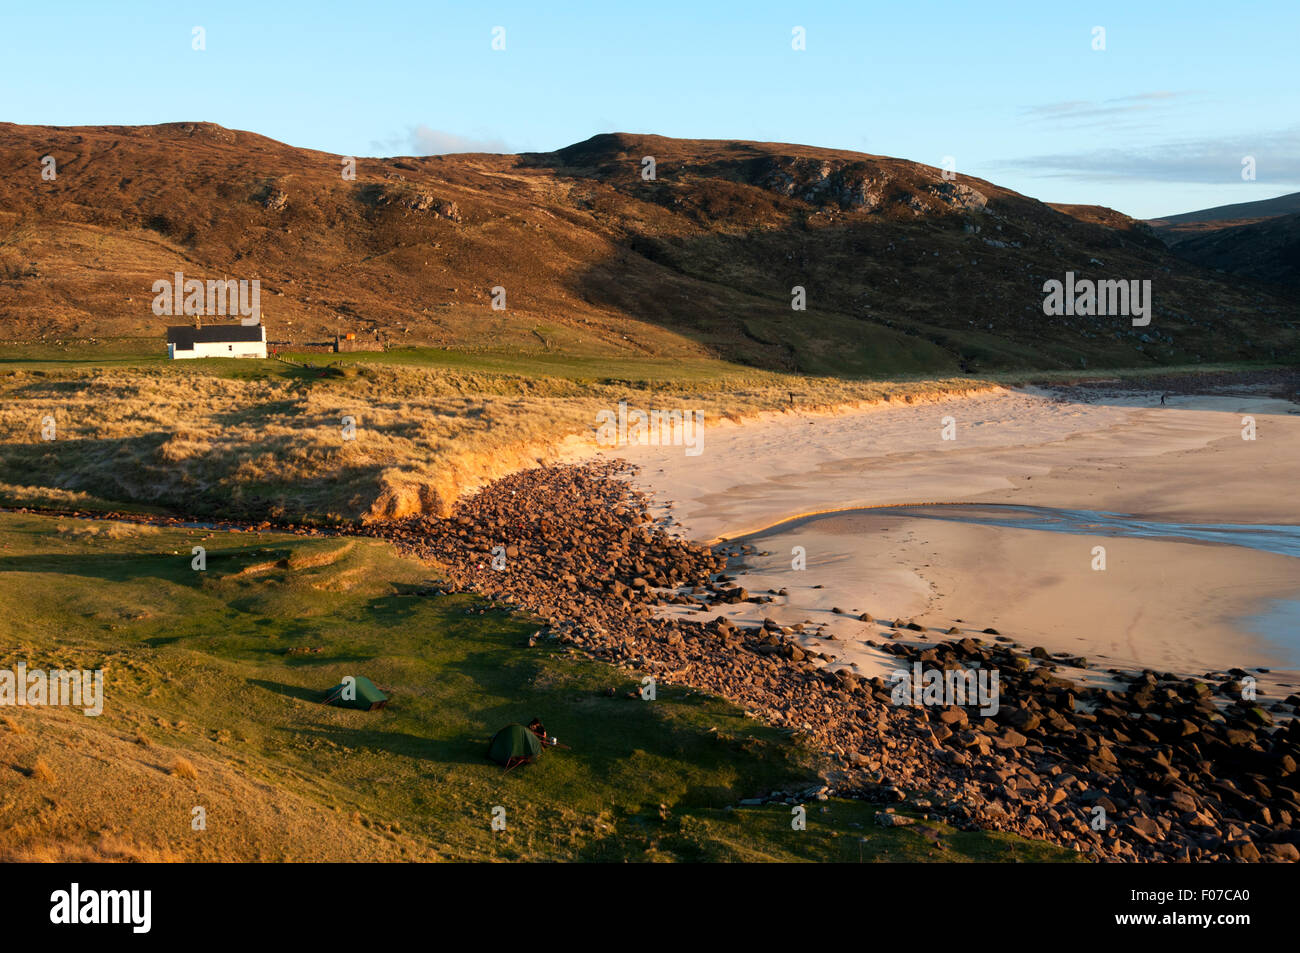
186,336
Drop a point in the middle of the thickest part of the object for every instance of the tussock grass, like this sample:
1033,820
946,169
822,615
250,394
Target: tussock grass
184,768
41,771
108,847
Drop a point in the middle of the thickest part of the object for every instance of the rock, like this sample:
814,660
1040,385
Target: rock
275,200
1243,849
1144,824
952,716
1258,715
1287,853
1021,718
886,819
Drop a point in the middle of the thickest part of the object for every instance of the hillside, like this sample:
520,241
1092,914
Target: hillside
1239,213
904,272
1256,240
1267,250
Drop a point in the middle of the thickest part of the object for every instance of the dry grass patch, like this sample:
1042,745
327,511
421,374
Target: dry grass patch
184,768
113,529
106,847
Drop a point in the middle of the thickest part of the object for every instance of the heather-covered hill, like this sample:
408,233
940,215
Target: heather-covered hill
903,270
1224,215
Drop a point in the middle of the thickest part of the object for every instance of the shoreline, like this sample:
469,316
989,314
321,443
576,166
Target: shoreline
610,581
1123,454
883,453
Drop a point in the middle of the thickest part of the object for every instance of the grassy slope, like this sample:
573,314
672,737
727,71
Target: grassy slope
198,666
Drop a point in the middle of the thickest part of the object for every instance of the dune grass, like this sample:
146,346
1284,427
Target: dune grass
269,440
212,688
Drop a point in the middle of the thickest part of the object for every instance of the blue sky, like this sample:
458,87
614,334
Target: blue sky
1156,123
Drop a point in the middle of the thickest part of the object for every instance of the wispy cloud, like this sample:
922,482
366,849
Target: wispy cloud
422,140
1087,111
1209,161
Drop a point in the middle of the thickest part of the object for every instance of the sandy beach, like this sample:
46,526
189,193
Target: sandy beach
1173,604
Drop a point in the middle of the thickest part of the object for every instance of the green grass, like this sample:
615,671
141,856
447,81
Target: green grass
537,363
205,663
115,352
1019,378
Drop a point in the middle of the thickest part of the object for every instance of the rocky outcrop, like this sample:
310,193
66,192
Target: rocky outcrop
411,199
821,182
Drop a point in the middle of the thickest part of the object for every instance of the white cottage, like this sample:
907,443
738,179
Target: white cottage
217,340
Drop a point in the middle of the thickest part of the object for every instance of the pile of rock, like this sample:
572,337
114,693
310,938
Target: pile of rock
1159,768
1166,768
571,543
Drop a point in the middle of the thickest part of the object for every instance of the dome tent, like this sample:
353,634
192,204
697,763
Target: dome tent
356,692
514,744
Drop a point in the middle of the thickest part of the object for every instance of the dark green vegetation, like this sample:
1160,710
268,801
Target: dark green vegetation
224,670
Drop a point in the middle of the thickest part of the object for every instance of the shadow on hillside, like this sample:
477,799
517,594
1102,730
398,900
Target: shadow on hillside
134,470
905,271
292,691
461,750
109,567
886,300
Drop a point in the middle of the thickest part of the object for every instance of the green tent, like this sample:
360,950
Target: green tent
360,693
514,744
